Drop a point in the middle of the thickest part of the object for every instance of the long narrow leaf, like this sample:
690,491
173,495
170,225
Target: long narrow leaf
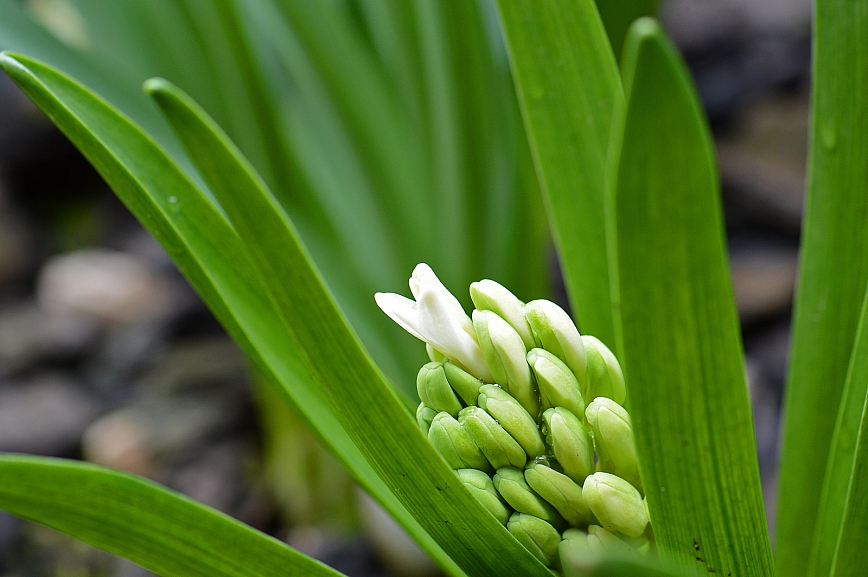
617,567
834,272
365,404
681,345
160,530
842,453
841,536
617,16
568,85
206,249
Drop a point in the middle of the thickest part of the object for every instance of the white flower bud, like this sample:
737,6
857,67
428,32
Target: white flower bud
558,386
512,417
437,318
570,442
604,377
554,331
560,491
488,295
613,438
506,356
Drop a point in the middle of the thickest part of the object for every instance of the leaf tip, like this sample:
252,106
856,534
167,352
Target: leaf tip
642,32
9,60
645,28
155,85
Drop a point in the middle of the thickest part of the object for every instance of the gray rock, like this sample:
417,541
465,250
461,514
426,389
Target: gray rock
763,279
45,416
198,364
120,440
109,285
762,162
216,477
29,334
693,23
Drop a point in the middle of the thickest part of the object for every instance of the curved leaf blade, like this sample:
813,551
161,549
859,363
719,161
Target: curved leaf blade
207,250
363,401
617,15
841,537
682,353
843,453
568,84
158,529
832,279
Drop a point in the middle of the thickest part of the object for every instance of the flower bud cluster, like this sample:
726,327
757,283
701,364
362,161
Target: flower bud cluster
539,434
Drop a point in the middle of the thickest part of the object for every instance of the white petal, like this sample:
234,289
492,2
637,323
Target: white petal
401,310
437,318
424,281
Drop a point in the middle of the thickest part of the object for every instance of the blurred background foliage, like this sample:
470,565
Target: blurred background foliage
390,132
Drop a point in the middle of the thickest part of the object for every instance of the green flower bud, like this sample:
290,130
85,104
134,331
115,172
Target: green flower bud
455,444
613,437
512,417
483,489
434,389
554,331
616,504
538,537
465,384
488,295
573,550
558,386
497,445
560,491
571,443
424,416
603,542
604,377
513,487
506,357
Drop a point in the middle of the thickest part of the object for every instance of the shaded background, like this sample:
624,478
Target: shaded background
107,354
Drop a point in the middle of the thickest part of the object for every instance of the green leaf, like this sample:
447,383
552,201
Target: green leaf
366,406
832,280
568,84
618,567
158,529
842,454
682,353
841,536
617,16
19,32
207,250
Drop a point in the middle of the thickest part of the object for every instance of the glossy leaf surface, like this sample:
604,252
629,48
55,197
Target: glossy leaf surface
839,551
362,400
831,285
682,353
158,529
617,16
567,82
207,250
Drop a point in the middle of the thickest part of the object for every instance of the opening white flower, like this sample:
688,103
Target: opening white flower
437,318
